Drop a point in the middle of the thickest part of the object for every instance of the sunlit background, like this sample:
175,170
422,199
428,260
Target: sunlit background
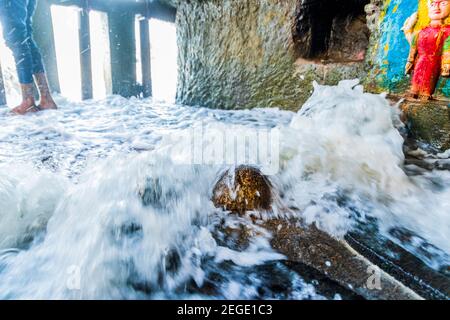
66,23
65,29
10,78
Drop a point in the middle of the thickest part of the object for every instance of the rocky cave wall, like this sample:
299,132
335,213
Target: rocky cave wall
267,53
246,54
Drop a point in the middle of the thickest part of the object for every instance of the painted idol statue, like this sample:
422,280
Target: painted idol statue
429,57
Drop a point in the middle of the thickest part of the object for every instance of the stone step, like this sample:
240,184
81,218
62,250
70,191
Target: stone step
429,122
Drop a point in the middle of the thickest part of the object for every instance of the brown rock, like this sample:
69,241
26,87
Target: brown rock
245,189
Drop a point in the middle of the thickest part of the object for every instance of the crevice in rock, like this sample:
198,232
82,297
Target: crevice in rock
331,31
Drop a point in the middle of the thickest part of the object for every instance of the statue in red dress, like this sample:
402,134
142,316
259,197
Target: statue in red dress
429,57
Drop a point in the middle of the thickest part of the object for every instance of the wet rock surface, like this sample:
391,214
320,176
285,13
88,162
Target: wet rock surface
332,263
243,189
247,54
333,258
242,54
418,161
398,262
327,73
236,54
331,30
429,122
336,259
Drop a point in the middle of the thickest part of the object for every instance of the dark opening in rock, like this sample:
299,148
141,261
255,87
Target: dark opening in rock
331,30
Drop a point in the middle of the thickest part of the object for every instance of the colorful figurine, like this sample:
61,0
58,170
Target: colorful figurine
429,57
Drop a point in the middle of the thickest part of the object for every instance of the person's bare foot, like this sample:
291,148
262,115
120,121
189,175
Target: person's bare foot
47,104
28,105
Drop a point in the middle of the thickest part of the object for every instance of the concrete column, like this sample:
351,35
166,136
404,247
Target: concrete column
123,52
85,54
2,89
44,36
145,58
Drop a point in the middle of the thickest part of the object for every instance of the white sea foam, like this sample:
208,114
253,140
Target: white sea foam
28,199
343,153
74,179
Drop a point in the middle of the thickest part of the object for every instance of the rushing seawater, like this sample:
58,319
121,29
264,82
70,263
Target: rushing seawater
73,224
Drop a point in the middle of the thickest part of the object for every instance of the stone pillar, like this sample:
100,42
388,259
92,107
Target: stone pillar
145,58
237,54
2,88
85,54
123,52
43,35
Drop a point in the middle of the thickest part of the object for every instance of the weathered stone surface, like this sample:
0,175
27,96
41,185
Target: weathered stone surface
336,259
242,54
328,74
244,189
373,11
398,262
331,29
236,54
429,122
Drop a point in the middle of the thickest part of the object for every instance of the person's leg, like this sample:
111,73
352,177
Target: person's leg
13,18
40,76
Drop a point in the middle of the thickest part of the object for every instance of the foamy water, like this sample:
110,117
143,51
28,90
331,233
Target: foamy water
73,223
